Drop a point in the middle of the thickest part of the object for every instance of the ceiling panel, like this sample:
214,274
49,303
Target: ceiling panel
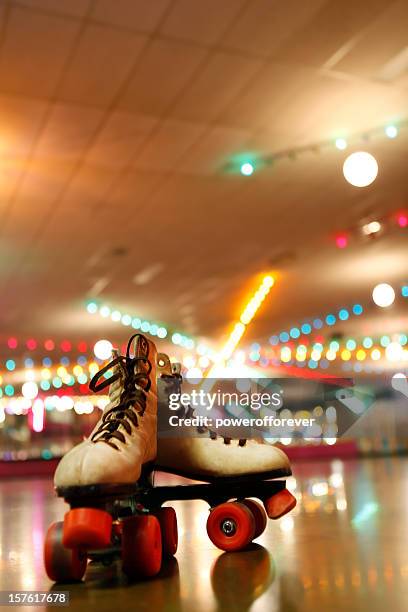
266,99
129,194
375,48
201,22
34,51
214,150
68,131
332,28
101,64
264,25
194,103
167,144
73,8
137,15
87,190
164,69
20,123
121,136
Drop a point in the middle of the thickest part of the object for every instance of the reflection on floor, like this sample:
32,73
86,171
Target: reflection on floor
345,547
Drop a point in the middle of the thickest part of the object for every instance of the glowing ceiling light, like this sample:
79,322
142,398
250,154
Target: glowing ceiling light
360,169
103,349
194,375
375,354
189,362
341,241
247,169
341,144
286,354
357,309
371,228
402,220
383,295
161,332
92,307
116,315
29,390
391,131
394,352
343,314
104,311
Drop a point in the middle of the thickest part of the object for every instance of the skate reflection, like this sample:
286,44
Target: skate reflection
105,588
238,579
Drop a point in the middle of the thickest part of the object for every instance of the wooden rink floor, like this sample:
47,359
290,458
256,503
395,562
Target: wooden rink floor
344,548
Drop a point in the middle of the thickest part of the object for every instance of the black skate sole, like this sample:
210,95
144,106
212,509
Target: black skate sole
98,490
123,491
254,476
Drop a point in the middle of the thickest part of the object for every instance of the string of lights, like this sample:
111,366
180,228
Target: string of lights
306,328
313,355
246,317
249,164
383,295
147,327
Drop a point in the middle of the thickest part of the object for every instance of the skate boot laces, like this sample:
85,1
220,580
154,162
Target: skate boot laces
132,401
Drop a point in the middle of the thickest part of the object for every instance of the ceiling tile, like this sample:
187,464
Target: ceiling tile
102,61
375,48
43,182
214,150
34,51
73,8
130,192
138,15
120,138
20,122
200,22
163,70
68,132
331,29
266,98
196,105
264,24
167,144
87,191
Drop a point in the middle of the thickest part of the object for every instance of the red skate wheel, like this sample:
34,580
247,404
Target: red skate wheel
62,564
231,526
168,525
279,504
259,516
141,546
87,528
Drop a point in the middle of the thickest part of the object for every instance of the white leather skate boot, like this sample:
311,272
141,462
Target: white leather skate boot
204,455
124,439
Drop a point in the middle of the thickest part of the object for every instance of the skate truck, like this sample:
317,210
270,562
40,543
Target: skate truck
130,523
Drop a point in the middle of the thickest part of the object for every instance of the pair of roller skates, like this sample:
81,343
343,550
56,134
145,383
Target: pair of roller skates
115,509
